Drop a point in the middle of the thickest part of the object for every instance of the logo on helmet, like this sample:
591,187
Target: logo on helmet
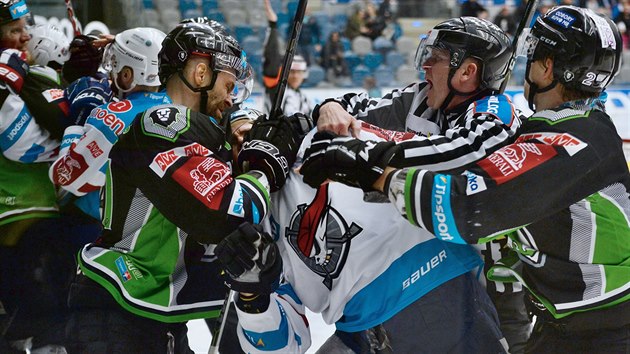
182,55
568,76
563,19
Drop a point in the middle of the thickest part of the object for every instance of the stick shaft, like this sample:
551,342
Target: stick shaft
276,108
216,336
73,19
525,21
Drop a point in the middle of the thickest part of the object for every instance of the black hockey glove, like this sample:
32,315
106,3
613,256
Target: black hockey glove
354,162
251,259
301,124
270,146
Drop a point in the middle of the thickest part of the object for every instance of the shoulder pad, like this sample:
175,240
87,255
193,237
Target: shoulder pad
498,106
165,121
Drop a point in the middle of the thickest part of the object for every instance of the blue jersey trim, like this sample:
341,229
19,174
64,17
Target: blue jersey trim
414,274
271,340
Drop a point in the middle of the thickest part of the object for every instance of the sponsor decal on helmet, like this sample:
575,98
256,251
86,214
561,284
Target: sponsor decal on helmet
562,18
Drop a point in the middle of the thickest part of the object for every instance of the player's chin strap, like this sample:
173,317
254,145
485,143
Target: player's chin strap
533,87
203,102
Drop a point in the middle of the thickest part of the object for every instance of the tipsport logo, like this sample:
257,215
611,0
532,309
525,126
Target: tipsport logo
126,268
443,221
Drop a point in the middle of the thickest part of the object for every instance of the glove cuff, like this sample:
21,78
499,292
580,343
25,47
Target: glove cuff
257,303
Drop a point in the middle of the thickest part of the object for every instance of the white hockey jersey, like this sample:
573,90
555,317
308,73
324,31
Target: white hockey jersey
355,262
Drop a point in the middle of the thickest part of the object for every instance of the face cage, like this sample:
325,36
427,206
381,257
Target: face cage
108,57
428,52
240,69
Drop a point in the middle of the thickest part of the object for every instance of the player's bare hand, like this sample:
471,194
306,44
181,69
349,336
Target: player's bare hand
334,118
103,40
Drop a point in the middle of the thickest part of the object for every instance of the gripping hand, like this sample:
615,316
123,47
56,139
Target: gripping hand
251,259
270,146
84,95
13,69
347,160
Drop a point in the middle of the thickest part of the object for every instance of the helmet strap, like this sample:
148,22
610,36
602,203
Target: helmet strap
533,87
203,101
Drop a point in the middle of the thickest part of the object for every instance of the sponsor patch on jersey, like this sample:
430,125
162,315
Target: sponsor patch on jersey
165,121
69,169
94,149
513,160
562,18
52,95
204,178
388,135
569,142
120,106
424,269
474,183
498,106
443,221
109,119
126,269
162,161
122,269
236,204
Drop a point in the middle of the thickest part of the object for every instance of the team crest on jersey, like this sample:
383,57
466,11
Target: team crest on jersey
321,237
165,121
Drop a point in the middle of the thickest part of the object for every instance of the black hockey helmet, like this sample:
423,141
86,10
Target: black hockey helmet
586,47
470,37
11,10
216,25
201,39
85,58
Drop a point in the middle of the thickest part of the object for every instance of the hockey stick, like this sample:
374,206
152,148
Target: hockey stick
525,21
218,333
76,26
276,108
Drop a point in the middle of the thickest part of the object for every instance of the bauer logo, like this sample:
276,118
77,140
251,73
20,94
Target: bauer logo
424,269
474,183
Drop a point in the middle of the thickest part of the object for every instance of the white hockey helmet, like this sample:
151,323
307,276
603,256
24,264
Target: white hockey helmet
48,44
138,49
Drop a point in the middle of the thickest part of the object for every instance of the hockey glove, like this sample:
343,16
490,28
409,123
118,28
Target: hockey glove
84,95
270,146
251,259
301,124
13,70
354,162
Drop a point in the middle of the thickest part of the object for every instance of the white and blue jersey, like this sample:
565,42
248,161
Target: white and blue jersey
353,261
82,161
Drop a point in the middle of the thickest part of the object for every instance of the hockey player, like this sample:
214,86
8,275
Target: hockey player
293,100
35,254
338,262
48,46
566,171
170,197
459,117
132,62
